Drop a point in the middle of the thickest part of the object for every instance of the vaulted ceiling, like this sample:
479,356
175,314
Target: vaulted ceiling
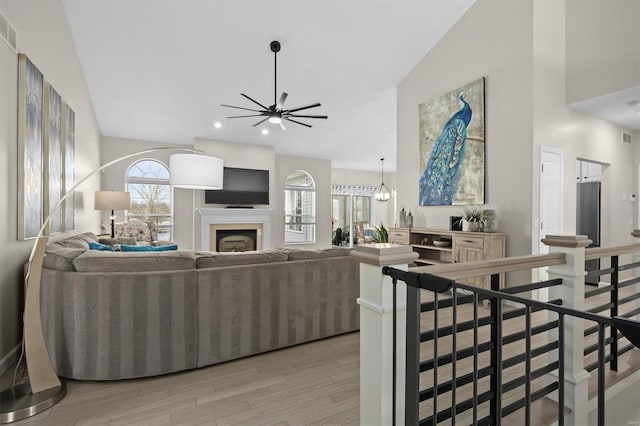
158,70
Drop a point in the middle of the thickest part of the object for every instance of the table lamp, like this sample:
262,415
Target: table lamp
112,200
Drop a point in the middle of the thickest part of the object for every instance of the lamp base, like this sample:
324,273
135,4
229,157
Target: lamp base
17,402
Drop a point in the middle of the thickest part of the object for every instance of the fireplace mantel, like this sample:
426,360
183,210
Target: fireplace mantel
213,216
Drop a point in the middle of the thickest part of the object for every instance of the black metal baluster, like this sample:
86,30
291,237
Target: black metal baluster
560,369
412,374
475,357
601,365
454,334
394,361
496,354
435,357
527,367
614,313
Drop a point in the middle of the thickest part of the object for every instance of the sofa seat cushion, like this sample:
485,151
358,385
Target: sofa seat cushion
108,261
80,241
61,258
295,254
216,260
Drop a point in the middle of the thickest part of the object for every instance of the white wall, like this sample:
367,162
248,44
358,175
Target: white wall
493,39
44,36
603,41
186,224
578,135
320,170
381,211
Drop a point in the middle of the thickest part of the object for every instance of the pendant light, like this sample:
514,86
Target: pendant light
382,194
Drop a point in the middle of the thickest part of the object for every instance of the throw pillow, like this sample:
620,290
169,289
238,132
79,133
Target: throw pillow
100,247
125,247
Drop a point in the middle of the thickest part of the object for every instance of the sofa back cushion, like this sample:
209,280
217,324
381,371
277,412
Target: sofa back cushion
216,260
295,254
108,261
80,241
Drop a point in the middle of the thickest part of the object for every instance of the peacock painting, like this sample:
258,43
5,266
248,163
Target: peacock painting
452,153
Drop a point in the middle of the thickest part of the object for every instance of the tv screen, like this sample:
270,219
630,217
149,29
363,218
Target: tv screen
241,186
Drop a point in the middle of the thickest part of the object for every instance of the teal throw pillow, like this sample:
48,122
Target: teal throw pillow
100,247
124,247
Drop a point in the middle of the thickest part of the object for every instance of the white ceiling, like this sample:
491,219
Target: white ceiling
622,108
159,69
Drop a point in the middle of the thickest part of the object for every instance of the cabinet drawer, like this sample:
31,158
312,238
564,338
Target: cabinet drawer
399,236
464,241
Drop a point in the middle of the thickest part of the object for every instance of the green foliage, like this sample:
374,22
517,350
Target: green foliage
382,236
473,214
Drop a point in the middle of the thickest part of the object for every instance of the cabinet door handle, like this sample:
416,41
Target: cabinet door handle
467,241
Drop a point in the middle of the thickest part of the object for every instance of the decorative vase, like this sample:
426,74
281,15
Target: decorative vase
470,226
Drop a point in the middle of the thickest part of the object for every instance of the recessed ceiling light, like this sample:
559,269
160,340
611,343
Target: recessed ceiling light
265,131
217,124
636,105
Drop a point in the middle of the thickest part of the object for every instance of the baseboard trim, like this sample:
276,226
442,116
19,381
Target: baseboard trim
9,360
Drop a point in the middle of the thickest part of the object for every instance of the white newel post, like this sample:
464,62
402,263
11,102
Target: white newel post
376,331
576,384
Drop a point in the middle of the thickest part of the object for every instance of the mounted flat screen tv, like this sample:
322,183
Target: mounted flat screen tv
241,187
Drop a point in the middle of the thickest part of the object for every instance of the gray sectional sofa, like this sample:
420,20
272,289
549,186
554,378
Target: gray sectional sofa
117,315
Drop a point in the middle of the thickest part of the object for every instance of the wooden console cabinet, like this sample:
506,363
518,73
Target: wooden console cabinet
432,248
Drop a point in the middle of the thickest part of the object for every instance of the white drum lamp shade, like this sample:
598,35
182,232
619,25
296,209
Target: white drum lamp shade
196,171
112,200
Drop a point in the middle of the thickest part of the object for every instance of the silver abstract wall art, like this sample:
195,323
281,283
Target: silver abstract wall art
68,148
30,142
452,147
52,158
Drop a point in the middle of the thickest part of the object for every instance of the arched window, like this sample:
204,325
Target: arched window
148,183
299,208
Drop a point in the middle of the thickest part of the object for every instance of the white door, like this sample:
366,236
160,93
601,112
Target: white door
551,177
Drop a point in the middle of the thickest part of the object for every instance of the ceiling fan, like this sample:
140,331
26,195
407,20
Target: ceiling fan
276,113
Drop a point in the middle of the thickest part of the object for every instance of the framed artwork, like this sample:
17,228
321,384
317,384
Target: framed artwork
52,158
452,147
68,171
30,143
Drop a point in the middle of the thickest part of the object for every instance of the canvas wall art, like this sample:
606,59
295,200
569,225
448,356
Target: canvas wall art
68,155
52,158
30,141
452,147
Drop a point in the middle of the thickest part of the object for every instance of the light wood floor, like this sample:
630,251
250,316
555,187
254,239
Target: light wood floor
315,383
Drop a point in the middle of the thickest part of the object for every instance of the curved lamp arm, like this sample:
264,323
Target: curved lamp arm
40,369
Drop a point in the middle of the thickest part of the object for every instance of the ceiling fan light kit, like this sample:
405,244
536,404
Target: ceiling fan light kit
275,113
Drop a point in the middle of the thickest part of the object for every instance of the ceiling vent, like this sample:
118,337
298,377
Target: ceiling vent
626,138
8,33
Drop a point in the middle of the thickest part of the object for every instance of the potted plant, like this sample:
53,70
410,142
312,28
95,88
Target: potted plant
472,218
382,236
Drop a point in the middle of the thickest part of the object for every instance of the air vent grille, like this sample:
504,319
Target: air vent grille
626,138
8,33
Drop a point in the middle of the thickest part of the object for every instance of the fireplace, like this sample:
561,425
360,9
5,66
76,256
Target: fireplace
236,240
235,237
214,219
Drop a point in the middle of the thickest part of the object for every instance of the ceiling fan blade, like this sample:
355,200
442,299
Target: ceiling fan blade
297,122
254,101
280,103
317,104
307,116
260,122
244,116
282,125
246,109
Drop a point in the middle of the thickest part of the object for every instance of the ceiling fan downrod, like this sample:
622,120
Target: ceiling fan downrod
275,48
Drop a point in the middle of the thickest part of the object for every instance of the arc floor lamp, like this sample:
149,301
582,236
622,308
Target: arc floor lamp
43,388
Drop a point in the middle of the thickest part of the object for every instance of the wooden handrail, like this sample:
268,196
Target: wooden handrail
481,268
599,252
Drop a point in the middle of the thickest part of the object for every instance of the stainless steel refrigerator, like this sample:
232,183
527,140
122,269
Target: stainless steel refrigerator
588,220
